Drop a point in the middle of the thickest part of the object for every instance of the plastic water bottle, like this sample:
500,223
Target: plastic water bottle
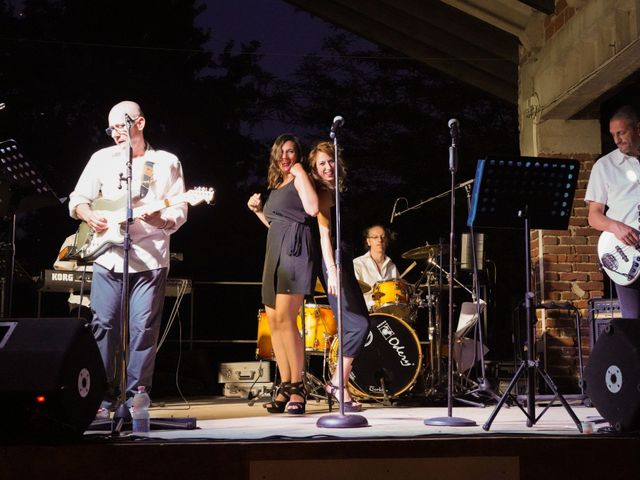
140,412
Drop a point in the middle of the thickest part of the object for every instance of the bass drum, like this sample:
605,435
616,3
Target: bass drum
390,359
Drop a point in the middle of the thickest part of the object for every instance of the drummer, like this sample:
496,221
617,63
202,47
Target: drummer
374,266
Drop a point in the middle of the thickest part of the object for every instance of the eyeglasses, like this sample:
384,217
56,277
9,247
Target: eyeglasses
377,237
119,126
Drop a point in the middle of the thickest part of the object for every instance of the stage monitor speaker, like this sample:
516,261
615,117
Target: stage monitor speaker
52,379
612,377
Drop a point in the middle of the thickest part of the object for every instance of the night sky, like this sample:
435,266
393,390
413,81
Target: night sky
60,80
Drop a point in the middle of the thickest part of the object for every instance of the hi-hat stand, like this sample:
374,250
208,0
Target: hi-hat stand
525,193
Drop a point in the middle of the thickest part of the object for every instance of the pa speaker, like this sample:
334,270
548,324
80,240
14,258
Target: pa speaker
612,377
52,379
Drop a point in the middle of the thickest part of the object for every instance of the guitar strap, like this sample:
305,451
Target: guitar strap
147,178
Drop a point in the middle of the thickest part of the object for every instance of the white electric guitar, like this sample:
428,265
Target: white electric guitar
621,261
89,244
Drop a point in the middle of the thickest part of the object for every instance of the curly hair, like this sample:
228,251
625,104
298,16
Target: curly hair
274,174
326,148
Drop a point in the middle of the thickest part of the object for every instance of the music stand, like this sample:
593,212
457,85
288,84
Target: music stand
525,192
22,189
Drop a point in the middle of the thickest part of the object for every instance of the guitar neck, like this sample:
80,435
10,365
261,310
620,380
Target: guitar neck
155,206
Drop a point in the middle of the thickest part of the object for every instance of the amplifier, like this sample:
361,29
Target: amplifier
601,311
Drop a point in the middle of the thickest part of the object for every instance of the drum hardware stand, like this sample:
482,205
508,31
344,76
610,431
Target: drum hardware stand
482,385
340,420
450,420
542,192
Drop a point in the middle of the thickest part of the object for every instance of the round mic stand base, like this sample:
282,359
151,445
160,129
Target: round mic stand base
342,421
449,422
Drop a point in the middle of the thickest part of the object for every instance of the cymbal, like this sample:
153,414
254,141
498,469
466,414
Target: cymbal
365,287
422,253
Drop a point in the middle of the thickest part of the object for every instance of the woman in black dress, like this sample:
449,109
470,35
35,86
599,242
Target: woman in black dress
288,266
355,318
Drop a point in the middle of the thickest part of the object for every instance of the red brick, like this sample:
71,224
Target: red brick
586,267
568,296
580,211
585,232
549,240
574,276
589,286
558,249
578,222
573,240
559,267
586,249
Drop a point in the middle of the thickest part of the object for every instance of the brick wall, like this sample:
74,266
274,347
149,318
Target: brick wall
554,23
570,267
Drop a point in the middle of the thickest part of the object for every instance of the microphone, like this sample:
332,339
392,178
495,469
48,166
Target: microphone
338,122
393,211
454,128
128,119
2,105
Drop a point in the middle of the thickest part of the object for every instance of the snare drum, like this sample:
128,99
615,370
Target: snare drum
392,297
390,359
319,324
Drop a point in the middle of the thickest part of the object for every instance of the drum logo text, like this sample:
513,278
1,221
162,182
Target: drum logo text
389,335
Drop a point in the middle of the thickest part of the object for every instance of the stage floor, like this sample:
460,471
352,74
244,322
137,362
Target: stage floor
234,420
236,441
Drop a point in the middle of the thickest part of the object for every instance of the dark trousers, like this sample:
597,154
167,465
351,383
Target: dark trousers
629,298
355,317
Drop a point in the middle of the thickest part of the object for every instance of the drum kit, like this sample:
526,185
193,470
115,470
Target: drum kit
391,361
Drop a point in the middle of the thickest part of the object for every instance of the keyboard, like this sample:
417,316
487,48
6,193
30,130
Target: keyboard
71,280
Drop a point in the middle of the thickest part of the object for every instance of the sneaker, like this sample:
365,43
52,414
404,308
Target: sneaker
103,414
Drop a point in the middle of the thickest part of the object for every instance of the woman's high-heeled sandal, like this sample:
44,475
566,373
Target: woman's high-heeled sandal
333,393
297,408
278,406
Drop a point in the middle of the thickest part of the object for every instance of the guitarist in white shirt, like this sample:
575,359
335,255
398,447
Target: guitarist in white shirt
613,197
156,175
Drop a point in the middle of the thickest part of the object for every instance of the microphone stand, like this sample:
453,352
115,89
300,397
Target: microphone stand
122,413
395,214
339,420
450,420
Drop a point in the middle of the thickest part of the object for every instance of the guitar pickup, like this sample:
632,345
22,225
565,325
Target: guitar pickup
634,268
621,253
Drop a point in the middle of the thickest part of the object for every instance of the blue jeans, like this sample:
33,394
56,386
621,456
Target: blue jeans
145,315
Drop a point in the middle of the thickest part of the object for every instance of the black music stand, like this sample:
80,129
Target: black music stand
525,192
22,189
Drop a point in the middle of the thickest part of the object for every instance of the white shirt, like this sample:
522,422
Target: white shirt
367,271
615,182
149,244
